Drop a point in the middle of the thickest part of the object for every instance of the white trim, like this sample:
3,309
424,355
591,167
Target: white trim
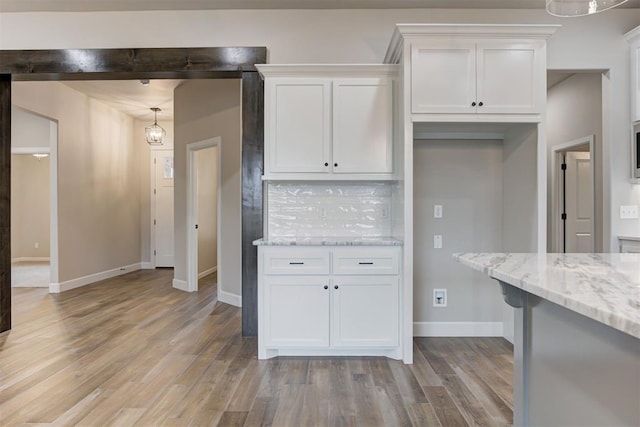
207,272
326,70
31,259
53,202
147,266
55,288
229,298
192,216
458,329
181,285
31,150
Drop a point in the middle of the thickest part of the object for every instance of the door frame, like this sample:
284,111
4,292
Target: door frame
557,191
192,210
147,63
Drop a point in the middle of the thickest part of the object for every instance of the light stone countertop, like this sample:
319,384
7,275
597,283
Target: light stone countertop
329,241
603,287
635,238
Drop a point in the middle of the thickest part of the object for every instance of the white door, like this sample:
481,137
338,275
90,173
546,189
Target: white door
579,203
297,123
296,311
443,77
362,130
509,78
365,311
163,200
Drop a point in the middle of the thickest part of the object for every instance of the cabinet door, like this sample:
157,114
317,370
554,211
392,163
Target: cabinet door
296,311
362,126
297,125
365,311
509,78
443,77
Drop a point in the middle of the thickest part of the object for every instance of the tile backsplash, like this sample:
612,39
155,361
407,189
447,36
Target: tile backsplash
328,209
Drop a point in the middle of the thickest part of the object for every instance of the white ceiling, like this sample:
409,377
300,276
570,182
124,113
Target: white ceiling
125,5
131,97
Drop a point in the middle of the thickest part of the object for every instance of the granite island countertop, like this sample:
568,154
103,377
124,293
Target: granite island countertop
603,287
329,241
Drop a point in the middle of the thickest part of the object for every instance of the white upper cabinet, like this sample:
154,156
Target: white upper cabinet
362,128
462,76
299,115
460,72
633,37
443,77
328,122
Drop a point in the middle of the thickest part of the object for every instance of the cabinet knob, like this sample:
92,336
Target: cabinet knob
480,104
473,104
335,165
326,164
335,287
326,287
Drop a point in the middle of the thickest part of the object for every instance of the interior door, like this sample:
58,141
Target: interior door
578,203
163,200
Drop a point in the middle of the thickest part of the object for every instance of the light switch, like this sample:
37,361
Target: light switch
437,211
629,212
437,241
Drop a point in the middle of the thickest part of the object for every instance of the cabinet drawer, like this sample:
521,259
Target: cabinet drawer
296,261
365,261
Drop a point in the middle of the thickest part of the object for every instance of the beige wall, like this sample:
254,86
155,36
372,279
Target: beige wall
99,185
30,192
205,109
574,110
207,164
28,129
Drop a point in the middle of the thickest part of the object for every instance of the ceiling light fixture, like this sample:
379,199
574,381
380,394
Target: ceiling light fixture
570,8
144,82
40,155
155,134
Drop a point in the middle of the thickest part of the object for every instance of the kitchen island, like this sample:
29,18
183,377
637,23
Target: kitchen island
576,335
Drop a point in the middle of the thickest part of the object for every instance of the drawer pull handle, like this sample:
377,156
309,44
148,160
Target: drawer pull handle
296,263
365,263
335,287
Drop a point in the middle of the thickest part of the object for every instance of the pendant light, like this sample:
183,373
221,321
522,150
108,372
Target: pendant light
155,134
569,8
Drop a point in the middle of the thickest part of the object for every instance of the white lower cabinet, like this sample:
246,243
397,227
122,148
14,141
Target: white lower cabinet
332,313
365,311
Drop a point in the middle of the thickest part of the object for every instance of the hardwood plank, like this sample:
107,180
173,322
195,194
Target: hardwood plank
444,407
146,354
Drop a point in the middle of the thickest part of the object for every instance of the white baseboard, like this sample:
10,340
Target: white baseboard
229,298
457,329
147,266
31,259
56,288
207,272
180,285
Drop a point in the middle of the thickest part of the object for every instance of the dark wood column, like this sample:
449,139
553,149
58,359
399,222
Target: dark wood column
252,170
5,202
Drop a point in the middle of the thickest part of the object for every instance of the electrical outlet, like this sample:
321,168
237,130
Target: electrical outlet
629,212
437,211
437,241
439,297
36,245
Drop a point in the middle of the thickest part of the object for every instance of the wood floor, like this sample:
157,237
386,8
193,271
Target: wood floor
134,351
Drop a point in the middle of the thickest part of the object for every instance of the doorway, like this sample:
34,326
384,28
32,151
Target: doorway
203,210
34,212
137,63
573,196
